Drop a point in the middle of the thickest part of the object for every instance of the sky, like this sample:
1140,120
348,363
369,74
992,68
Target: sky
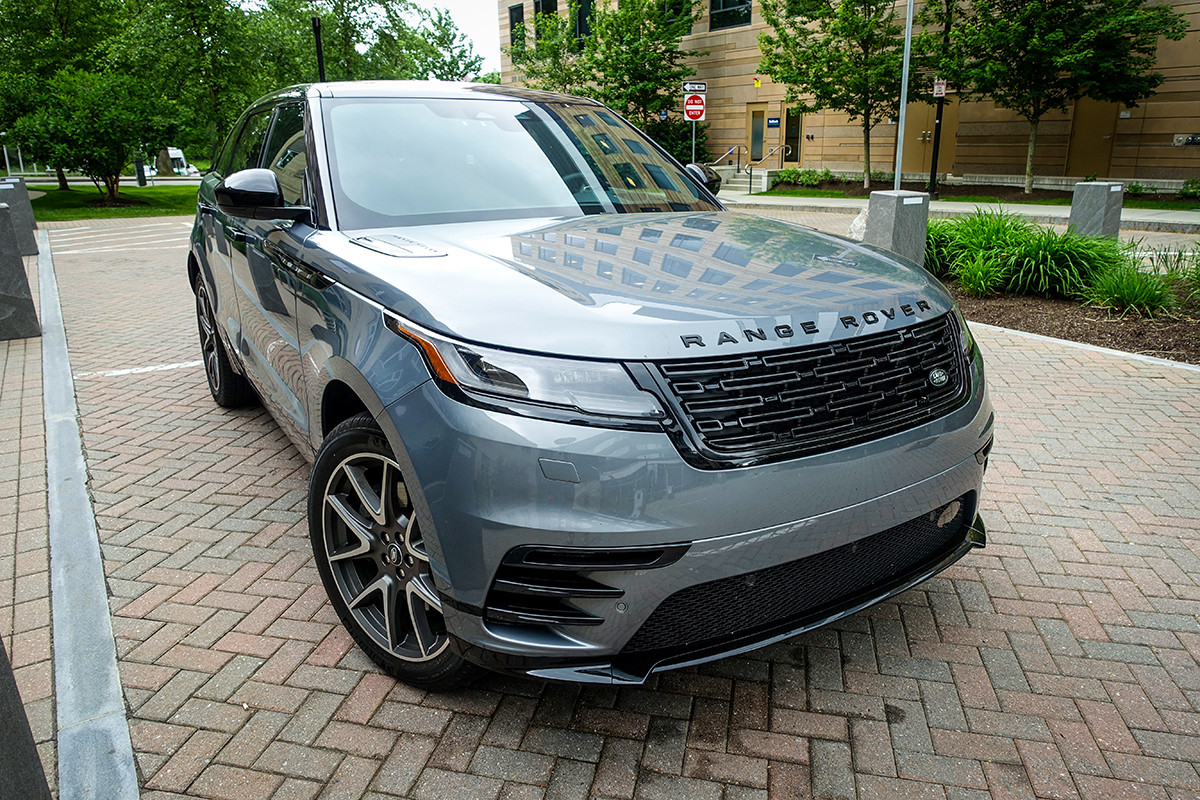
478,20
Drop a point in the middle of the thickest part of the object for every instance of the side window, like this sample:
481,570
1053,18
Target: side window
249,148
287,156
728,14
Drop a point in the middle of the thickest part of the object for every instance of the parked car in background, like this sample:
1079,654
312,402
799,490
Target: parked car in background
569,417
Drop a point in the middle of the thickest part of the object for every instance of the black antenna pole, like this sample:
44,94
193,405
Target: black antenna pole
320,51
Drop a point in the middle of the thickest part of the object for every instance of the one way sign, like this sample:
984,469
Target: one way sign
695,87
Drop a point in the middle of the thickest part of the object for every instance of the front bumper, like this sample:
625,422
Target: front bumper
493,482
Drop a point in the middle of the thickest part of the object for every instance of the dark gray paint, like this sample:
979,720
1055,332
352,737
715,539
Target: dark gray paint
18,317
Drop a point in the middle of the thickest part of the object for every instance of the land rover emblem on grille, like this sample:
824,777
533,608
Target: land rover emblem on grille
939,377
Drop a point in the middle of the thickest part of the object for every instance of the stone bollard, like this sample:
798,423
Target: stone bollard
897,221
21,772
1096,208
14,192
18,319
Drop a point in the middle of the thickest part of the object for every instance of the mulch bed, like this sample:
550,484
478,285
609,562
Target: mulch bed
1176,337
1004,194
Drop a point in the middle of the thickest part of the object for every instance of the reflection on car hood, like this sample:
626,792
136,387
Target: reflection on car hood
638,286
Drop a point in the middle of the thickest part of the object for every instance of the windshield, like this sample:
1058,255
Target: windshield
425,161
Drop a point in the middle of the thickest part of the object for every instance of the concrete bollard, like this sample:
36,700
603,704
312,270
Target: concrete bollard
21,772
18,319
1096,208
14,192
897,221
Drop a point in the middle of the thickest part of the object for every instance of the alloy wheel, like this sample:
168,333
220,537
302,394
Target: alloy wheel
377,557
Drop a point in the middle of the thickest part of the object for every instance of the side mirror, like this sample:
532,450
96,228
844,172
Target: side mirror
706,176
255,194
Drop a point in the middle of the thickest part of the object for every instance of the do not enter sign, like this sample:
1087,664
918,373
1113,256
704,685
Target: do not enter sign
693,108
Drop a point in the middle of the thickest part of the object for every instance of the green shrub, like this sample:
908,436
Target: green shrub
995,233
800,177
981,275
1136,189
1055,264
1191,189
937,240
1124,288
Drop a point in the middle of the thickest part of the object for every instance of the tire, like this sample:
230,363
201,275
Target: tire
372,559
229,389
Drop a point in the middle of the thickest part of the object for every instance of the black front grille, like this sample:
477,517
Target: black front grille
822,397
745,607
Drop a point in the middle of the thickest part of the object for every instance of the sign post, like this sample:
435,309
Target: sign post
694,107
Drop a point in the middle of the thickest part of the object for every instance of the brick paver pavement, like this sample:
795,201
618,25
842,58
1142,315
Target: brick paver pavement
24,543
1061,662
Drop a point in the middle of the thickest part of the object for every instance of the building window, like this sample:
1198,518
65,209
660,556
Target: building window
516,25
583,18
728,14
545,6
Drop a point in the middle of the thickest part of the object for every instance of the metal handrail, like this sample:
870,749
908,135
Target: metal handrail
739,149
787,151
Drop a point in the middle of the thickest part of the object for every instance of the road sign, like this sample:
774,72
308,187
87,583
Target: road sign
693,108
695,87
662,115
939,87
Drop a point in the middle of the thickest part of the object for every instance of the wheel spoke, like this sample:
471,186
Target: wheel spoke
414,545
366,493
356,525
421,597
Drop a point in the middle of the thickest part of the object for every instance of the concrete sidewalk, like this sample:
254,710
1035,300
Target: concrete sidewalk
1059,662
1132,219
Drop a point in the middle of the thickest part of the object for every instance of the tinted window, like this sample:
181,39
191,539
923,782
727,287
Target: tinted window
286,153
728,14
249,148
421,161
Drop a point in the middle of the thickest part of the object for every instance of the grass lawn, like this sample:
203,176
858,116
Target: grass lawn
80,202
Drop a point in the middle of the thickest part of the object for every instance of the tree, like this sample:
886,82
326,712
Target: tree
40,37
554,61
421,44
96,123
200,54
635,56
1038,56
844,55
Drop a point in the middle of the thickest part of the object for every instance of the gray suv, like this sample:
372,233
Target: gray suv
568,417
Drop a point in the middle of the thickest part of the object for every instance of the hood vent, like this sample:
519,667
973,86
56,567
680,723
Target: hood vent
397,246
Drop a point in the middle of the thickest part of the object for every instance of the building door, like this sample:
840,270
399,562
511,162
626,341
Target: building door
756,130
918,134
1092,128
793,125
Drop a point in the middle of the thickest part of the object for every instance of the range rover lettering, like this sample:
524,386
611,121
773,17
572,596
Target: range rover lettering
568,416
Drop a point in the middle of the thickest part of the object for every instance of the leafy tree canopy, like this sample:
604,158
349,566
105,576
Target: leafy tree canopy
95,122
1038,56
631,60
844,55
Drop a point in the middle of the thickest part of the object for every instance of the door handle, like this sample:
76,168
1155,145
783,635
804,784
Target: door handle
236,235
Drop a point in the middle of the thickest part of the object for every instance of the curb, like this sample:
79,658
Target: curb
95,752
1044,219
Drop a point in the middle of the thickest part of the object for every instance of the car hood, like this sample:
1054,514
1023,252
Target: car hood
633,286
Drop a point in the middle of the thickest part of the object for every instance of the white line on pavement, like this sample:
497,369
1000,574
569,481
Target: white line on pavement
113,373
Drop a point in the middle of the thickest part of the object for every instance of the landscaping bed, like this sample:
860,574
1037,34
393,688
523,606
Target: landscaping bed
1007,271
814,183
1176,337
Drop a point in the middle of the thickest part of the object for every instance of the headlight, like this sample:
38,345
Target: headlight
968,341
597,388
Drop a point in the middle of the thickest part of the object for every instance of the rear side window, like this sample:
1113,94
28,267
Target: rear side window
249,148
286,153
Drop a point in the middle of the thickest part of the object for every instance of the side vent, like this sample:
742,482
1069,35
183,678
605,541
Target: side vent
535,585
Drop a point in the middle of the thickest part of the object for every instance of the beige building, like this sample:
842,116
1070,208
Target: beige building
1146,143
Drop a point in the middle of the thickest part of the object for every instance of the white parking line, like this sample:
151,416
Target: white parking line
113,373
182,244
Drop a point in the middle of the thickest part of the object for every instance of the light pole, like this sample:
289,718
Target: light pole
903,93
